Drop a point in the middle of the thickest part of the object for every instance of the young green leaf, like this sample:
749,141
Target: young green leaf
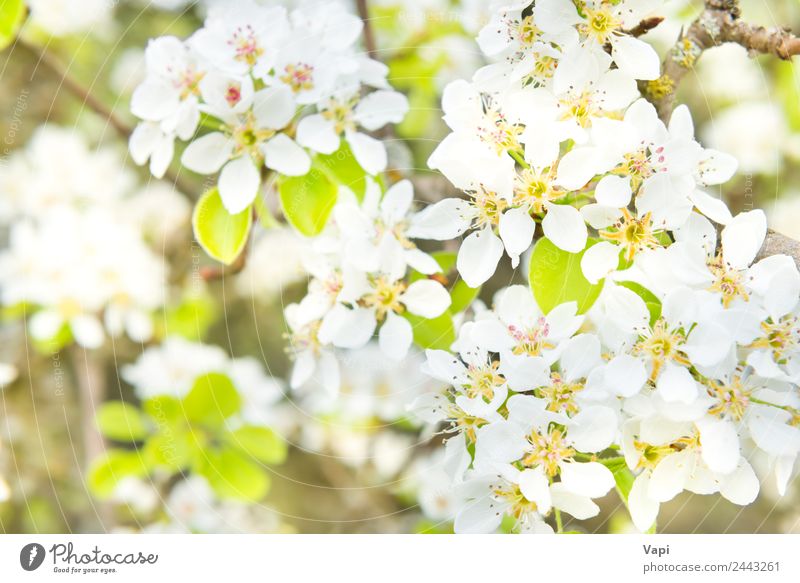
222,235
12,13
121,422
234,476
107,471
556,277
307,201
437,333
260,443
212,400
341,167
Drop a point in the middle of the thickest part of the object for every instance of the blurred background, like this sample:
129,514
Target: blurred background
355,462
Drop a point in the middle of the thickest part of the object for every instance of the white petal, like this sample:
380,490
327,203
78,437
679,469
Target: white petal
599,260
742,238
381,107
643,509
154,100
714,208
283,154
675,383
625,375
564,226
395,336
594,429
446,219
397,201
426,298
478,517
613,191
369,152
637,58
516,231
534,486
238,184
45,324
719,444
347,328
317,133
590,479
669,477
577,167
742,486
581,507
208,153
478,257
87,330
274,107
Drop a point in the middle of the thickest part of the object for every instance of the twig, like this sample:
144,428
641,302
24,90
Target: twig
719,23
646,26
369,36
87,98
778,244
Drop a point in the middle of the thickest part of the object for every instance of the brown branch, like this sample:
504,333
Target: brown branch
646,26
369,36
719,23
88,99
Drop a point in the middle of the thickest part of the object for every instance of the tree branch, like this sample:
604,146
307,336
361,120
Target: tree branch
87,98
369,36
720,23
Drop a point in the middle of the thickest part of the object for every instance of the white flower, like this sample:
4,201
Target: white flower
340,116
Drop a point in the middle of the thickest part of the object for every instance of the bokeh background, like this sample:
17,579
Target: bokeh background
356,462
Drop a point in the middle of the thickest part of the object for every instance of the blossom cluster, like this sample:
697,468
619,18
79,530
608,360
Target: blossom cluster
247,76
683,373
79,258
361,281
555,133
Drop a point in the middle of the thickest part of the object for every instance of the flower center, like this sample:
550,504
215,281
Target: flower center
531,341
600,24
548,450
498,132
385,297
534,189
580,108
248,137
245,45
340,112
632,234
561,395
483,381
489,206
732,399
779,337
727,281
661,345
300,77
518,506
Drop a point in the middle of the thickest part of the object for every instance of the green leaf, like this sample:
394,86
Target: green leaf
122,422
173,449
212,400
555,277
437,333
260,443
163,410
107,471
233,476
623,478
12,13
307,201
191,318
221,234
650,299
341,167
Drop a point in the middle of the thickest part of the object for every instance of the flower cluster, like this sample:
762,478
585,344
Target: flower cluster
246,76
360,282
681,372
78,257
555,133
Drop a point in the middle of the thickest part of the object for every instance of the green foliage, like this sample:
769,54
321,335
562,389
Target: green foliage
342,168
191,435
212,400
555,277
121,422
12,13
307,201
191,318
106,472
222,235
234,476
